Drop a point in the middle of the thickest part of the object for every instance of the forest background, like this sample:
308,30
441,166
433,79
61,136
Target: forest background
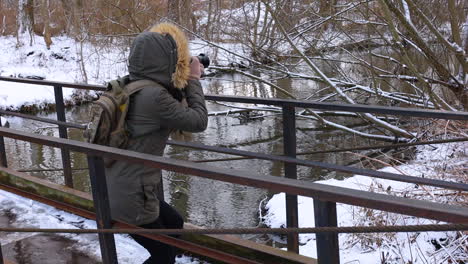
409,53
398,52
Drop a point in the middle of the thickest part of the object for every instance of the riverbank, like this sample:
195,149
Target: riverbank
443,161
66,61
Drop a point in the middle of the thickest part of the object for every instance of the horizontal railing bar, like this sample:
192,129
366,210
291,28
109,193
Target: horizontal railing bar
387,110
42,119
424,209
388,146
54,83
359,108
250,230
333,167
307,163
395,145
44,170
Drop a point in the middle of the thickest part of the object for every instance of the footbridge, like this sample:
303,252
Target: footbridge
216,244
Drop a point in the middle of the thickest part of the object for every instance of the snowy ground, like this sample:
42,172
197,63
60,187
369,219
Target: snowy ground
60,63
65,62
442,161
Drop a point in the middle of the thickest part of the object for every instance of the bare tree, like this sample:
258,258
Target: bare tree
173,10
447,75
25,19
415,66
180,12
46,10
69,15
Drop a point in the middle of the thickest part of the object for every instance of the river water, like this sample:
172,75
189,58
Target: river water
206,202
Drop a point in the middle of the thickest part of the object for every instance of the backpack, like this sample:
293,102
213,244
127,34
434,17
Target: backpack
108,114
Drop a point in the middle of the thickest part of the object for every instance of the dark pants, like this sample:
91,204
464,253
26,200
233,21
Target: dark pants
161,253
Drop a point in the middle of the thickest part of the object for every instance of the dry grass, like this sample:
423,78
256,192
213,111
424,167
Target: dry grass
448,165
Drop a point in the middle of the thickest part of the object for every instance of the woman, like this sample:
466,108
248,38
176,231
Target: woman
173,101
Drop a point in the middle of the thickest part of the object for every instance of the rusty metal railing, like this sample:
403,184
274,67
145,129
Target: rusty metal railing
326,193
325,197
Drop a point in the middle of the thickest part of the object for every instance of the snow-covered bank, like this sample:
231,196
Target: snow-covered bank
68,61
30,214
443,161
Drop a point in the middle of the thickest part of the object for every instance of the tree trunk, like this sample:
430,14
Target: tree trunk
186,15
445,75
173,10
78,19
326,7
46,17
462,74
26,18
210,14
69,15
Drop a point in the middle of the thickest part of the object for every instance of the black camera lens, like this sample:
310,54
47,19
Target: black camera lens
204,59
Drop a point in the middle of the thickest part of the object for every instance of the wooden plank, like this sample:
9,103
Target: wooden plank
46,189
247,248
6,261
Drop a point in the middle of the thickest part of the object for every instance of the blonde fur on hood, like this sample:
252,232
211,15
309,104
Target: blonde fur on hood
181,75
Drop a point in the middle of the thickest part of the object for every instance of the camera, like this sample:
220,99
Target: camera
204,59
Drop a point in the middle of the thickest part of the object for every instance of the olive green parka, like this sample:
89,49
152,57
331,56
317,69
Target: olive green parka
160,55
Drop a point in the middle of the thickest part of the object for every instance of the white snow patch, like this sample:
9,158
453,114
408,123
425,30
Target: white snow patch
399,247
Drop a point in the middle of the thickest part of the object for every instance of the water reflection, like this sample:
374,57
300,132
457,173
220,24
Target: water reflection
205,202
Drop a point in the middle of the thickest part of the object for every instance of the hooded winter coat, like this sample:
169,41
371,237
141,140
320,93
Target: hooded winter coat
160,55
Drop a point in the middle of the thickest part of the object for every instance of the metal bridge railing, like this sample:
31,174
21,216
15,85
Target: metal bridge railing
325,197
328,194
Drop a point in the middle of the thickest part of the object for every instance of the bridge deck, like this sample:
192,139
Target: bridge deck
29,248
33,248
19,200
45,249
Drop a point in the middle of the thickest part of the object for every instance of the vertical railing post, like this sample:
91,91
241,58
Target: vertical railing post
290,171
1,254
327,243
3,158
66,163
101,206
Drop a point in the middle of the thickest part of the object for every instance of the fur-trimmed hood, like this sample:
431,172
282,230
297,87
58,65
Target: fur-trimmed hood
162,55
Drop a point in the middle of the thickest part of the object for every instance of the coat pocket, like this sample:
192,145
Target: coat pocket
151,202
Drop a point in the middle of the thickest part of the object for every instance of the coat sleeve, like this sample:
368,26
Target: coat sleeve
175,115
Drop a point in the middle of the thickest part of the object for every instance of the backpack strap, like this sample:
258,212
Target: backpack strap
136,86
130,89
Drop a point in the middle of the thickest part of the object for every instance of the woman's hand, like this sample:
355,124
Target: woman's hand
196,69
